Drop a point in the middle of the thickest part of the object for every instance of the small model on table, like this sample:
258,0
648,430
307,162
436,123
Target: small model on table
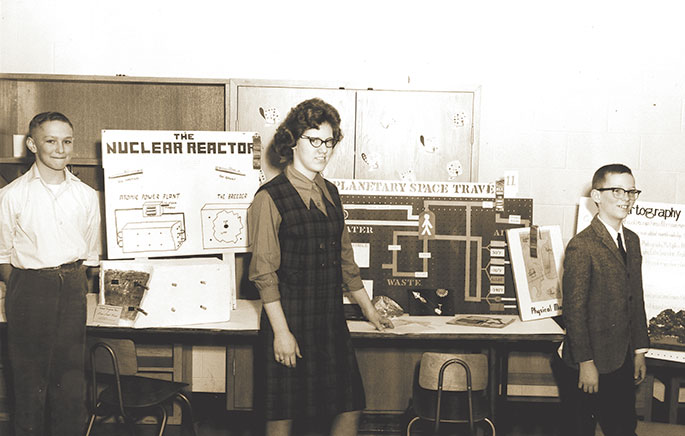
301,260
49,233
604,314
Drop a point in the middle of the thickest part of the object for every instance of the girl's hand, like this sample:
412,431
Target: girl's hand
380,322
286,350
362,299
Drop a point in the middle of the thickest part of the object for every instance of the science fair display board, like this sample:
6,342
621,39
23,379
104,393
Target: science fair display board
170,193
536,254
176,195
435,248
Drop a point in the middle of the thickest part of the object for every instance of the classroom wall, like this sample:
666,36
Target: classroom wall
565,89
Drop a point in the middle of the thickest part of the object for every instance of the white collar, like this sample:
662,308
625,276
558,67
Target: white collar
613,232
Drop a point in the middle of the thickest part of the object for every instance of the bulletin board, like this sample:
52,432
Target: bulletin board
415,239
178,193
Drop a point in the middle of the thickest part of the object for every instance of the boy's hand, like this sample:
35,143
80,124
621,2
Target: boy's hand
588,378
640,368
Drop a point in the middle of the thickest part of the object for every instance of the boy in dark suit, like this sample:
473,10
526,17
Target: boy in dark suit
604,314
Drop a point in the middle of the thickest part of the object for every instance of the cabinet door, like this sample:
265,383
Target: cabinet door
239,377
262,108
414,135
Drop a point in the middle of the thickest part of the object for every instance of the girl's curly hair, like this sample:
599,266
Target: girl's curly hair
310,114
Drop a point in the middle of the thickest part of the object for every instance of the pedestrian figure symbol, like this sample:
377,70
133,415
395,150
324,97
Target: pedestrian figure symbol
426,224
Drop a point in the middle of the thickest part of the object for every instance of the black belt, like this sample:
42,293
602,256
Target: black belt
64,267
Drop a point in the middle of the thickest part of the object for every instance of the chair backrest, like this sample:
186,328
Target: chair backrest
454,378
124,350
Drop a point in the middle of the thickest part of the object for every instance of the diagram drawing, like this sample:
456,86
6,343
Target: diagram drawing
432,243
543,280
224,225
150,228
536,261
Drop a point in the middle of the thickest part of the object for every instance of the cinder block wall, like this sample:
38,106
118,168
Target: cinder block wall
565,88
568,140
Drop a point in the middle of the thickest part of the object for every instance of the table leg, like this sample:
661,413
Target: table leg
674,393
500,382
504,373
493,385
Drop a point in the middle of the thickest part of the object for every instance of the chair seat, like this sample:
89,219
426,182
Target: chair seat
141,392
453,405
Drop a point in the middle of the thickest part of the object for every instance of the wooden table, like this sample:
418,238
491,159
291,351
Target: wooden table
387,359
673,375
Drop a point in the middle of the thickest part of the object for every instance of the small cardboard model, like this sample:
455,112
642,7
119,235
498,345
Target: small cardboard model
179,291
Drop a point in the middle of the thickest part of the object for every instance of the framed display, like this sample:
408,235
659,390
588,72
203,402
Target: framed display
536,254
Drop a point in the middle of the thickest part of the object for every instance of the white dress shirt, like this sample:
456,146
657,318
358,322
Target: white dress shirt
43,227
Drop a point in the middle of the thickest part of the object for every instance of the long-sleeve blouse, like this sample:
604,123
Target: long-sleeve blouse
264,221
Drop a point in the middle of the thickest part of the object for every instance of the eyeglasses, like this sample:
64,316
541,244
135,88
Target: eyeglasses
620,192
316,142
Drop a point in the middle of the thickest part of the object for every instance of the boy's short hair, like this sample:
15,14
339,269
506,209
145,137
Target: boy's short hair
45,117
601,174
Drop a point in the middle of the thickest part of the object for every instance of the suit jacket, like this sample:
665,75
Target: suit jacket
603,302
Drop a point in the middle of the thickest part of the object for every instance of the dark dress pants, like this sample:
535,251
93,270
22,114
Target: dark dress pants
613,406
46,330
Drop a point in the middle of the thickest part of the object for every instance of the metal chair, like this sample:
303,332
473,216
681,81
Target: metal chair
451,388
116,390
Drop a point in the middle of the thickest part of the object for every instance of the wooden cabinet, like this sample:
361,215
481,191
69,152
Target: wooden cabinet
387,369
166,362
93,103
389,134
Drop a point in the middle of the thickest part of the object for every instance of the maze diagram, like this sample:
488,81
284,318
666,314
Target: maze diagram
454,246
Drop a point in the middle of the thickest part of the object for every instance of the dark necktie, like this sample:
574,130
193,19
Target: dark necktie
621,248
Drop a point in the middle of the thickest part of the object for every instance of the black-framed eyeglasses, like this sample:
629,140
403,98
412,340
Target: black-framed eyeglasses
620,192
316,142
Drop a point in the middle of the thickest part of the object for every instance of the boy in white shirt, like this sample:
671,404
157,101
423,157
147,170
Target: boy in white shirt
49,234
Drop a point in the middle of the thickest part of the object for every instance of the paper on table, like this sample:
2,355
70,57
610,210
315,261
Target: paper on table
480,321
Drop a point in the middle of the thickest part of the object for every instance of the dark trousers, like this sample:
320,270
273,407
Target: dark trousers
613,406
46,332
